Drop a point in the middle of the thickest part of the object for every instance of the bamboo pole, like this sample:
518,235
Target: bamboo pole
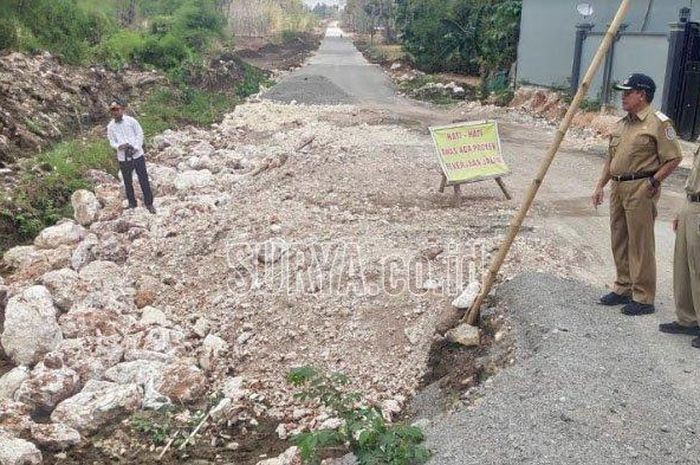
472,315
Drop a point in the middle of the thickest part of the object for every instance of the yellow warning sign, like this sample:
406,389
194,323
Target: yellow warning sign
469,152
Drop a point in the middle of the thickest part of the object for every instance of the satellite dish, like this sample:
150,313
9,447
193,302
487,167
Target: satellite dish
585,9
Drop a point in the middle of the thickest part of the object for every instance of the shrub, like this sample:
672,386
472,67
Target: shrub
59,25
198,22
120,48
42,196
166,52
253,78
8,34
370,437
161,25
98,27
460,35
27,42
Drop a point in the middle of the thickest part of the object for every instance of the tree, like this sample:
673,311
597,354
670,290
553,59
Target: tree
460,35
366,16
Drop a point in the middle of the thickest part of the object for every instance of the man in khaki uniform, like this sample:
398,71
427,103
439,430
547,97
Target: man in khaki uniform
686,261
644,150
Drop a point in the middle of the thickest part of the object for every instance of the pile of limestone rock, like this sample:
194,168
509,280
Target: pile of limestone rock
41,99
85,340
103,315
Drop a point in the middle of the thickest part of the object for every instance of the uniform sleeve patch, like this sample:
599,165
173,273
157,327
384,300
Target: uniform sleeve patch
671,133
662,116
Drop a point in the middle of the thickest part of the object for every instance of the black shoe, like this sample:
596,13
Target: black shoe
695,342
635,309
677,328
151,209
614,299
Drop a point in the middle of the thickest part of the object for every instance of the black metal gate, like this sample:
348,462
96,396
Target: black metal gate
682,88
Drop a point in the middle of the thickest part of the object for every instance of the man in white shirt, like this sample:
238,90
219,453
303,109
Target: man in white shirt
126,137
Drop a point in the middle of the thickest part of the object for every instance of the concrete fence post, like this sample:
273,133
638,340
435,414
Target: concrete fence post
582,31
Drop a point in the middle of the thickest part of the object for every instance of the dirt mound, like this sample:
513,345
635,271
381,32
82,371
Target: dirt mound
280,56
42,99
221,74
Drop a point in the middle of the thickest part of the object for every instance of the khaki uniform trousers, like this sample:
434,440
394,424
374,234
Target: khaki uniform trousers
686,265
632,217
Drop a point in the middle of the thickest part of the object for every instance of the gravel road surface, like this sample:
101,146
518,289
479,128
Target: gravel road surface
589,386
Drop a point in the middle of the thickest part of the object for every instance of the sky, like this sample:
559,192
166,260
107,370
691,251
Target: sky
327,2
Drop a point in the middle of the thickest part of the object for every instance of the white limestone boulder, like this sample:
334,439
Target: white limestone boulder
65,286
11,381
46,387
30,329
65,233
85,207
99,403
193,179
14,451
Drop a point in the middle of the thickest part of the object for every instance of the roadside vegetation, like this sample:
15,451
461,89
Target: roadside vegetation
476,38
180,39
361,427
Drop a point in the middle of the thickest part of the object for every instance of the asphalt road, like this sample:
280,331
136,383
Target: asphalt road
589,386
337,73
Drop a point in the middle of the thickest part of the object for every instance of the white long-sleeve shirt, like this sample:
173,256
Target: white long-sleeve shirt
126,131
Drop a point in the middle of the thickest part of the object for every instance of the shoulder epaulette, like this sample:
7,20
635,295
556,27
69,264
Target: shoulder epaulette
662,116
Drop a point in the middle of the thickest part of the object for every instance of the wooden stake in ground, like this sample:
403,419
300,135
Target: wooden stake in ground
472,315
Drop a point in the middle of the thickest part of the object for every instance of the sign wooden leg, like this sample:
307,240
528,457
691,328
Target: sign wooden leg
458,191
502,185
443,183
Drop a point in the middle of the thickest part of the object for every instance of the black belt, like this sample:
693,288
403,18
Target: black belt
633,176
693,197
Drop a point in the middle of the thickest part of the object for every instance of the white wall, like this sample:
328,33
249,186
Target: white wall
548,28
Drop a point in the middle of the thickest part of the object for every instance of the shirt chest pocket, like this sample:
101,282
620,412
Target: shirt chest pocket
644,143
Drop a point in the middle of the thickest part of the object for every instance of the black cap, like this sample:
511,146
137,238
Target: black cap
117,102
637,82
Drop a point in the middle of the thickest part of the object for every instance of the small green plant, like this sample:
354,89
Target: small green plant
363,430
590,105
119,49
586,104
157,433
503,98
34,126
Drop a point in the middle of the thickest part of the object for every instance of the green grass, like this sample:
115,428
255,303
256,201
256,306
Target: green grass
386,53
167,109
171,108
73,158
42,196
34,126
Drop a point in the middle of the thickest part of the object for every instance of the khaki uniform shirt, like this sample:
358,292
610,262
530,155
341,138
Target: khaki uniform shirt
692,185
642,142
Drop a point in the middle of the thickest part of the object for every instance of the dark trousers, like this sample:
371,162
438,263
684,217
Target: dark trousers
139,165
